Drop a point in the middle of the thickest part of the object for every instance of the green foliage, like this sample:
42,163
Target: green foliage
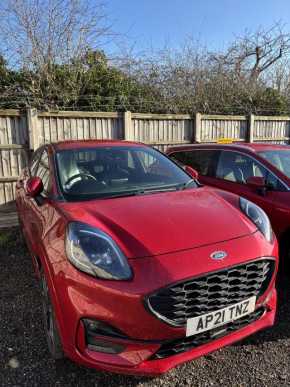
93,83
90,83
270,100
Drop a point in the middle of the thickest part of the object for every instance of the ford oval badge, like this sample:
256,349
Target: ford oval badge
218,255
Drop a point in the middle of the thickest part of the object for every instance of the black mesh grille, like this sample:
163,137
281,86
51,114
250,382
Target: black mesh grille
187,343
181,301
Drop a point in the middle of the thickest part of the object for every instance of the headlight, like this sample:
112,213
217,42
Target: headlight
94,252
258,217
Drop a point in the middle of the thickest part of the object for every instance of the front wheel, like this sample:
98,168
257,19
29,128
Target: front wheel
50,325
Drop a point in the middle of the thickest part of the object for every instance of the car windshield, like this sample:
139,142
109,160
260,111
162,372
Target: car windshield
114,171
279,158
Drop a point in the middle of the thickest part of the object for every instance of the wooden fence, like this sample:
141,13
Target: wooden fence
13,145
22,131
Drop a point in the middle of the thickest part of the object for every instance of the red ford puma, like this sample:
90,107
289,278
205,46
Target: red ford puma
142,268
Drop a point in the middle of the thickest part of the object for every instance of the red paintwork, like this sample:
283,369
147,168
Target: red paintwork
256,181
166,237
275,204
61,145
34,186
166,214
192,172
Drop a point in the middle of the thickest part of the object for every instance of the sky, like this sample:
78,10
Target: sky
149,24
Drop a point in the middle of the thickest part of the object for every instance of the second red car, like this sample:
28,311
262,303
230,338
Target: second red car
257,171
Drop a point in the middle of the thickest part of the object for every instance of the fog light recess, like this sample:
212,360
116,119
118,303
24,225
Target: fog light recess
100,337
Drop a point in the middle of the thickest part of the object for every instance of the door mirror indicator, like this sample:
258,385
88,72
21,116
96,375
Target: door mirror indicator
34,186
192,172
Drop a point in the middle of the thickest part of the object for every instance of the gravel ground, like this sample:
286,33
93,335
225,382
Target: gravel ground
261,360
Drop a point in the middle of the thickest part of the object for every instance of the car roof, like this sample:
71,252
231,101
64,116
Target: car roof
252,147
77,144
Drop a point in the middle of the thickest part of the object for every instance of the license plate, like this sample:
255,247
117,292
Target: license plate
220,317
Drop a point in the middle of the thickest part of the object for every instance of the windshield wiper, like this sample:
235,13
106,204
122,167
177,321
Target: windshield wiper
156,190
119,195
143,191
136,192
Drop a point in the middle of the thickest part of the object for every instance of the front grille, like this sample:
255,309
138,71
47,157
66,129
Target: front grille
208,293
187,343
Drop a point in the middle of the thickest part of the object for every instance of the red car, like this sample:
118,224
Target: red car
141,267
259,172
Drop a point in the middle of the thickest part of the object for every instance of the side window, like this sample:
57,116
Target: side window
43,171
204,161
34,163
273,183
237,167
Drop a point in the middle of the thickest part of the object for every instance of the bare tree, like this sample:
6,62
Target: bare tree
38,32
253,53
37,35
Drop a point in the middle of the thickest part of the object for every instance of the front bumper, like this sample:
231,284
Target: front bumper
121,304
136,359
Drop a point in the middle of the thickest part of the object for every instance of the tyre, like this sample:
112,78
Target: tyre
50,324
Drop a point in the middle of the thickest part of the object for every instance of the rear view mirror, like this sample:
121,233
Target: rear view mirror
34,186
192,172
256,182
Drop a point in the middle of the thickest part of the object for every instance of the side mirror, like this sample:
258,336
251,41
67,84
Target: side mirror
34,186
256,182
192,172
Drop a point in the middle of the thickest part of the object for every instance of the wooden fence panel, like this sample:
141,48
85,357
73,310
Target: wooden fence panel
13,130
273,129
52,127
161,131
12,161
214,127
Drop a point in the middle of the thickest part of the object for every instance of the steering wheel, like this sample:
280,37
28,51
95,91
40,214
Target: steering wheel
72,178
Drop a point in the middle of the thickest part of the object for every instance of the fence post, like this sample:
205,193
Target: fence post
127,123
197,127
31,116
251,126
